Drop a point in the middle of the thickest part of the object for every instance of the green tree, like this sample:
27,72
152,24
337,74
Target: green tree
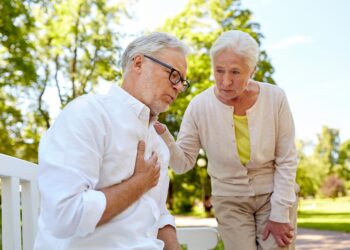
16,61
75,46
327,148
344,162
199,25
332,157
327,168
16,68
9,117
311,171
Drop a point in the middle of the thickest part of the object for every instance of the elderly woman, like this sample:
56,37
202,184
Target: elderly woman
246,128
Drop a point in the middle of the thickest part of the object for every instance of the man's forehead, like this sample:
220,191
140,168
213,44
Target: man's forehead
174,57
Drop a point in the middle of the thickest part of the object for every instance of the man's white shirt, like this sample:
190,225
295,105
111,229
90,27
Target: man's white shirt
92,145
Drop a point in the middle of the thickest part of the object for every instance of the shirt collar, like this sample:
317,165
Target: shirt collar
136,106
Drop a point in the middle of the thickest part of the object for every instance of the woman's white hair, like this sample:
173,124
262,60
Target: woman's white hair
238,42
149,44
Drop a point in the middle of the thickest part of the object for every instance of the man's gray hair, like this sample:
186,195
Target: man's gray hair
148,45
240,43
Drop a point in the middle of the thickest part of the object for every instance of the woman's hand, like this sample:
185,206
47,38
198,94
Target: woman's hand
282,232
159,127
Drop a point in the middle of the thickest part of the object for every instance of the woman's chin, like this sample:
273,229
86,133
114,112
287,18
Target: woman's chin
228,96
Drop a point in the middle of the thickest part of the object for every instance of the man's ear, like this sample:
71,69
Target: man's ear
137,63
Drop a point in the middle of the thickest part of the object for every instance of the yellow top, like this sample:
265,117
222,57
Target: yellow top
242,138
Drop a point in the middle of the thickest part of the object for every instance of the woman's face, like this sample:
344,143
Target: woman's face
231,74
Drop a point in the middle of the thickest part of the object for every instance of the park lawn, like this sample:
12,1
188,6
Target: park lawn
325,214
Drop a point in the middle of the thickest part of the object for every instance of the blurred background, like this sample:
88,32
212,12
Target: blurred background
52,51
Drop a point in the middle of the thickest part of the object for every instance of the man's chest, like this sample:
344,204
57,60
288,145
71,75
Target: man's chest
120,152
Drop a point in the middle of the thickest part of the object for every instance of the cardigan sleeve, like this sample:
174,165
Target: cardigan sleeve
184,152
284,195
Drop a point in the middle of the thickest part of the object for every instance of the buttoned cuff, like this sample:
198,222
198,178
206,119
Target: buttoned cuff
167,137
279,213
166,219
94,206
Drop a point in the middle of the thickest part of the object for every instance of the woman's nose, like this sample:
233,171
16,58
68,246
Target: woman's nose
227,80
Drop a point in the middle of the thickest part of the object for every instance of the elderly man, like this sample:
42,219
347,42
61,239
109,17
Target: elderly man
103,168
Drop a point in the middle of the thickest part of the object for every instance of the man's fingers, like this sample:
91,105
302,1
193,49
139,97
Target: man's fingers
154,158
158,166
141,146
157,173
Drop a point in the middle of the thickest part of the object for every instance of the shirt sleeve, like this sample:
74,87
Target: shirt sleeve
70,157
184,152
284,195
166,219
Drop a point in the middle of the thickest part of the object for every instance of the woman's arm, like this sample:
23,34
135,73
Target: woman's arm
283,196
183,152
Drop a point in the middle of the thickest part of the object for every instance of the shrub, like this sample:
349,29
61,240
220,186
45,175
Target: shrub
333,187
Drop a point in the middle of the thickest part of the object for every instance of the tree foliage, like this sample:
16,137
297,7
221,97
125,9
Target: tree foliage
52,50
327,170
333,187
311,171
327,148
77,47
343,167
16,61
17,70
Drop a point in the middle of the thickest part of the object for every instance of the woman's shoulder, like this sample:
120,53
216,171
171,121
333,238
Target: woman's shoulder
271,89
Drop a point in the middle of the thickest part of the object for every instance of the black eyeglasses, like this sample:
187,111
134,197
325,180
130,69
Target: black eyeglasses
174,75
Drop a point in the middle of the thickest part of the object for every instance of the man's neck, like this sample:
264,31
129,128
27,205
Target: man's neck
129,87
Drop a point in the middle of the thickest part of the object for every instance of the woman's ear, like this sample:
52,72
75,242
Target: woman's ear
253,72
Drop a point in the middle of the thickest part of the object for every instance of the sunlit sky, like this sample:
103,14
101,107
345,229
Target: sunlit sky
308,43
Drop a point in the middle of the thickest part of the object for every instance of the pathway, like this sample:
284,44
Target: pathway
307,239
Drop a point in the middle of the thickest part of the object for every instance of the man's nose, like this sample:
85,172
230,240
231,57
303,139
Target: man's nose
179,87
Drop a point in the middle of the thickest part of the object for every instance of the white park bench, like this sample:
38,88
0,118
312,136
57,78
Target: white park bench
19,195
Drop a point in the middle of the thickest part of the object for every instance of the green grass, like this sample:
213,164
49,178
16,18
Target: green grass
325,214
220,246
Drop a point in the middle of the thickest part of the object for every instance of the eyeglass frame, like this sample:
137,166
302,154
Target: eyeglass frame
185,82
